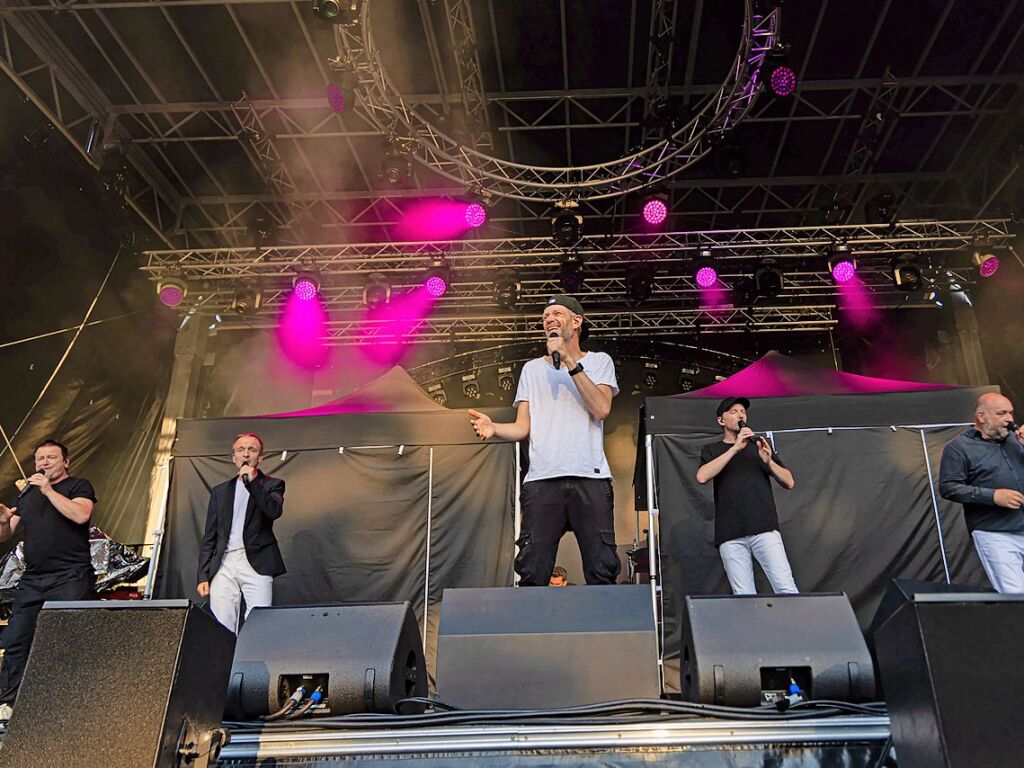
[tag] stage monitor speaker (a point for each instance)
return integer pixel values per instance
(953, 670)
(121, 684)
(364, 656)
(742, 651)
(900, 591)
(537, 648)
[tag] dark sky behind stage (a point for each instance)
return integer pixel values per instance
(57, 240)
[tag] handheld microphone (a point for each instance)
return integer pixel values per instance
(28, 487)
(556, 358)
(245, 478)
(1012, 425)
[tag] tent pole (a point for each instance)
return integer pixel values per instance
(517, 515)
(652, 567)
(426, 577)
(935, 508)
(189, 347)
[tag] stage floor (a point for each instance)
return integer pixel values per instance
(856, 741)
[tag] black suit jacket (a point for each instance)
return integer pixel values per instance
(266, 503)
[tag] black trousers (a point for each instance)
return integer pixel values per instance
(582, 505)
(32, 592)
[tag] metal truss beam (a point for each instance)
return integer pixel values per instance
(659, 69)
(467, 67)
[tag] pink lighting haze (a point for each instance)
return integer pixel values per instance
(171, 296)
(304, 289)
(475, 215)
(706, 277)
(302, 330)
(655, 211)
(856, 303)
(988, 266)
(394, 325)
(843, 271)
(436, 286)
(783, 81)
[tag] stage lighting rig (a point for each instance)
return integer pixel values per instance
(567, 226)
(650, 374)
(247, 299)
(639, 285)
(342, 12)
(842, 264)
(470, 386)
(778, 77)
(172, 291)
(570, 274)
(438, 280)
(341, 90)
(396, 167)
(376, 291)
(767, 279)
(986, 262)
(882, 208)
(907, 274)
(506, 381)
(306, 284)
(704, 272)
(507, 291)
(655, 209)
(437, 393)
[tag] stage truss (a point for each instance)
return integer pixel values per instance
(809, 300)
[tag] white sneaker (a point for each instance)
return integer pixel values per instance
(6, 710)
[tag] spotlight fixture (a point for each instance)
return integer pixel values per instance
(776, 74)
(685, 384)
(246, 299)
(470, 386)
(507, 291)
(570, 275)
(342, 12)
(881, 209)
(172, 291)
(475, 215)
(639, 284)
(396, 167)
(438, 280)
(306, 285)
(650, 375)
(566, 228)
(341, 91)
(906, 273)
(505, 378)
(437, 393)
(376, 291)
(767, 279)
(730, 158)
(986, 262)
(655, 210)
(841, 263)
(704, 271)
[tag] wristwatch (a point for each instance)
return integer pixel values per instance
(577, 369)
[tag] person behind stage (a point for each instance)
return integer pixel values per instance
(983, 469)
(568, 486)
(54, 512)
(239, 554)
(746, 522)
(559, 577)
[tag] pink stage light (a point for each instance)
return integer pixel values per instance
(336, 98)
(989, 266)
(857, 304)
(475, 215)
(436, 286)
(171, 295)
(783, 81)
(302, 331)
(843, 271)
(706, 277)
(655, 211)
(394, 326)
(305, 289)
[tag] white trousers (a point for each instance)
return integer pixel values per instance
(770, 553)
(235, 578)
(1002, 556)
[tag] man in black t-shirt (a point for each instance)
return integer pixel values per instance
(54, 512)
(746, 523)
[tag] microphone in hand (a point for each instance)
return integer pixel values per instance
(245, 477)
(28, 485)
(556, 358)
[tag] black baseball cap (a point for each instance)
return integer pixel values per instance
(573, 306)
(729, 402)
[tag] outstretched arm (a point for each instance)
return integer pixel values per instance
(513, 431)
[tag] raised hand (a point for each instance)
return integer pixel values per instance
(482, 424)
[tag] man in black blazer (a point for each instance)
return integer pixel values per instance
(239, 554)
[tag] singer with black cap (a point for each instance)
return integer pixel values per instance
(983, 469)
(53, 511)
(561, 404)
(239, 555)
(742, 465)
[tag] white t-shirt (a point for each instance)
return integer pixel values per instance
(565, 440)
(235, 540)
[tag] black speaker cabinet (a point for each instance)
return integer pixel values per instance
(900, 591)
(743, 650)
(121, 684)
(365, 656)
(953, 670)
(541, 647)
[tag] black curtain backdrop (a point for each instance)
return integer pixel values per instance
(373, 523)
(860, 515)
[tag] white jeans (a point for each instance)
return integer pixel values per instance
(235, 578)
(1002, 555)
(770, 553)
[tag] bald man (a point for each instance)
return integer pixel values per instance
(983, 469)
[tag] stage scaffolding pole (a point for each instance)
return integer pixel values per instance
(652, 551)
(189, 347)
